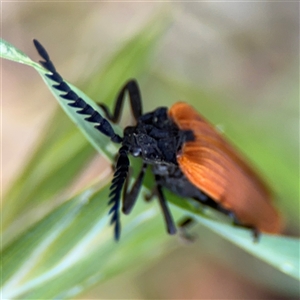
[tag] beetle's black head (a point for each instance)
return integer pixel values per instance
(141, 144)
(155, 138)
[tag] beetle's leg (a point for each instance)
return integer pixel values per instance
(183, 226)
(149, 196)
(157, 191)
(106, 111)
(186, 222)
(234, 218)
(133, 90)
(237, 222)
(171, 228)
(129, 198)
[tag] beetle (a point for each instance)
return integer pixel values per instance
(186, 153)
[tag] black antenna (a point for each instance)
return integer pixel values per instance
(103, 126)
(93, 116)
(118, 181)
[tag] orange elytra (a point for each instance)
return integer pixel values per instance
(211, 164)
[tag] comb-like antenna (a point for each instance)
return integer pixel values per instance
(120, 176)
(83, 108)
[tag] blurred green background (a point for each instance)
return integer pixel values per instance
(237, 63)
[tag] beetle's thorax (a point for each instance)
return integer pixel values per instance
(155, 138)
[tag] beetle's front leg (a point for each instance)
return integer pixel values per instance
(133, 90)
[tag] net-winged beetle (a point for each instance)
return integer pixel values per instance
(187, 156)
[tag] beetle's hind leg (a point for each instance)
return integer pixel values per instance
(182, 225)
(183, 229)
(237, 222)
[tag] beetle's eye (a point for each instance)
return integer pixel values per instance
(136, 151)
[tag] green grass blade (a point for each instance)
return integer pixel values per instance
(8, 51)
(75, 243)
(279, 251)
(32, 193)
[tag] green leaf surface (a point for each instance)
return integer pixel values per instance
(8, 51)
(39, 182)
(279, 251)
(74, 242)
